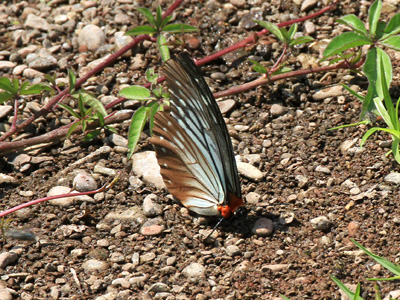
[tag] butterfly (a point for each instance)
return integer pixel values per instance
(193, 147)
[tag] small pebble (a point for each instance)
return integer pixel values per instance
(95, 265)
(7, 258)
(263, 227)
(84, 182)
(321, 223)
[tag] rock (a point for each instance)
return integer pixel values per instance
(353, 228)
(109, 296)
(5, 294)
(4, 110)
(309, 27)
(145, 165)
(151, 229)
(226, 105)
(238, 3)
(233, 250)
(277, 110)
(7, 179)
(59, 190)
(147, 257)
(7, 258)
(4, 64)
(138, 62)
(253, 198)
(37, 22)
(263, 227)
(95, 265)
(333, 91)
(321, 223)
(393, 177)
(122, 282)
(323, 169)
(275, 268)
(42, 62)
(84, 182)
(346, 145)
(118, 140)
(159, 287)
(100, 169)
(241, 128)
(131, 214)
(92, 37)
(150, 208)
(302, 180)
(308, 4)
(249, 171)
(121, 18)
(34, 74)
(194, 270)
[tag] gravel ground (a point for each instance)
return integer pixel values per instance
(309, 192)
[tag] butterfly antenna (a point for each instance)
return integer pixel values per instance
(215, 227)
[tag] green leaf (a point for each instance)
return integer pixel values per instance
(136, 92)
(72, 129)
(70, 110)
(284, 297)
(35, 89)
(373, 16)
(165, 21)
(15, 85)
(282, 70)
(395, 149)
(145, 29)
(354, 23)
(5, 96)
(383, 112)
(179, 28)
(292, 31)
(385, 263)
(72, 80)
(258, 67)
(392, 42)
(271, 28)
(344, 288)
(138, 121)
(344, 42)
(394, 24)
(159, 17)
(151, 76)
(154, 108)
(354, 93)
(95, 104)
(81, 106)
(91, 135)
(301, 40)
(164, 51)
(147, 14)
(5, 84)
(349, 125)
(372, 69)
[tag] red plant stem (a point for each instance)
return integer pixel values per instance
(59, 133)
(263, 80)
(48, 107)
(14, 122)
(171, 9)
(33, 202)
(252, 39)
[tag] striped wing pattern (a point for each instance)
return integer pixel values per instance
(192, 143)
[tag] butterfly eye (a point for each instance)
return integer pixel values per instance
(241, 212)
(192, 144)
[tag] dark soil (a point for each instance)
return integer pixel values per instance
(297, 142)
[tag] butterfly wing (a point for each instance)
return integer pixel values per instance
(192, 142)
